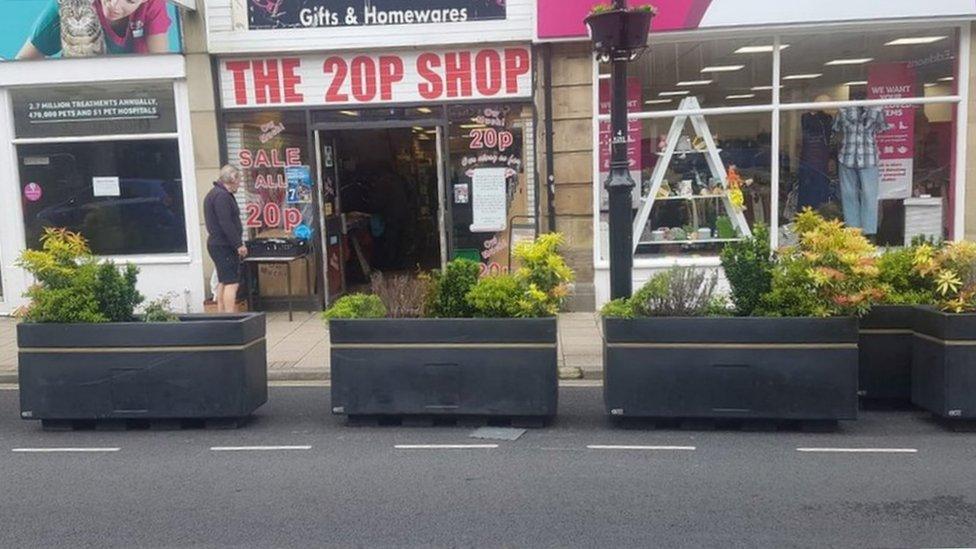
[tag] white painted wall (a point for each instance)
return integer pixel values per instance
(227, 32)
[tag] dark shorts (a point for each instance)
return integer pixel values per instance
(228, 263)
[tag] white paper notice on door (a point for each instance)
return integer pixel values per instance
(488, 200)
(106, 186)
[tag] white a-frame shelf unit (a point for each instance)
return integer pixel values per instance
(715, 166)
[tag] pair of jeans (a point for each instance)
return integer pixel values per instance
(859, 197)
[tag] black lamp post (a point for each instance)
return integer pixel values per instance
(619, 36)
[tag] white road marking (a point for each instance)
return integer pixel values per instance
(256, 448)
(626, 447)
(62, 450)
(445, 446)
(860, 450)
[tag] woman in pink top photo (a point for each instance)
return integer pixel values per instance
(84, 28)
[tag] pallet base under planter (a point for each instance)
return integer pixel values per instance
(524, 422)
(143, 424)
(705, 424)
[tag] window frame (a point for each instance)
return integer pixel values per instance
(184, 257)
(775, 108)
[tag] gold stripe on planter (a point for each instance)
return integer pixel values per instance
(948, 342)
(443, 345)
(174, 349)
(733, 345)
(885, 331)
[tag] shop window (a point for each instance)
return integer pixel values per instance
(125, 197)
(841, 66)
(277, 196)
(491, 189)
(718, 73)
(686, 167)
(912, 179)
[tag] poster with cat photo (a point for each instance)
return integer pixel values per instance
(42, 29)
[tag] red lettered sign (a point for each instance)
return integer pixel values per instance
(376, 78)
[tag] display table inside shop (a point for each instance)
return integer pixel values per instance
(252, 263)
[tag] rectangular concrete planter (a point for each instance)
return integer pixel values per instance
(722, 368)
(885, 354)
(202, 367)
(944, 363)
(472, 366)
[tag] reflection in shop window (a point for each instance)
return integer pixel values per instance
(717, 73)
(838, 66)
(125, 197)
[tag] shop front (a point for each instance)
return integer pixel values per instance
(395, 159)
(744, 113)
(98, 142)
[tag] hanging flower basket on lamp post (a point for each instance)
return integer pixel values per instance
(622, 32)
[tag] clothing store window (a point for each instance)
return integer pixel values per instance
(707, 179)
(841, 66)
(886, 170)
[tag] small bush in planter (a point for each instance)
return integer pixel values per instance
(901, 280)
(485, 347)
(831, 271)
(214, 369)
(72, 286)
(356, 306)
(951, 269)
(748, 266)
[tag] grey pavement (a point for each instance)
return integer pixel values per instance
(341, 486)
(299, 350)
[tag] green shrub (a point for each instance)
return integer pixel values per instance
(160, 310)
(71, 286)
(449, 289)
(618, 308)
(902, 282)
(542, 266)
(496, 297)
(679, 291)
(748, 267)
(116, 291)
(356, 306)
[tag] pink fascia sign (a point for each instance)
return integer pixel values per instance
(564, 18)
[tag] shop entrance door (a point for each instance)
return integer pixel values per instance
(382, 202)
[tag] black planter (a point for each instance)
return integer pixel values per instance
(721, 368)
(625, 30)
(203, 367)
(885, 354)
(482, 367)
(944, 363)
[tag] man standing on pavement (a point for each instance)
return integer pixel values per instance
(223, 219)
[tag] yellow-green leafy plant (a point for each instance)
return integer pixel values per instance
(543, 270)
(536, 289)
(831, 271)
(72, 286)
(951, 268)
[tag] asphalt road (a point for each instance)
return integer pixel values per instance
(335, 485)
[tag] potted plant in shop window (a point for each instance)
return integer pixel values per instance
(84, 355)
(464, 347)
(943, 377)
(787, 350)
(623, 30)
